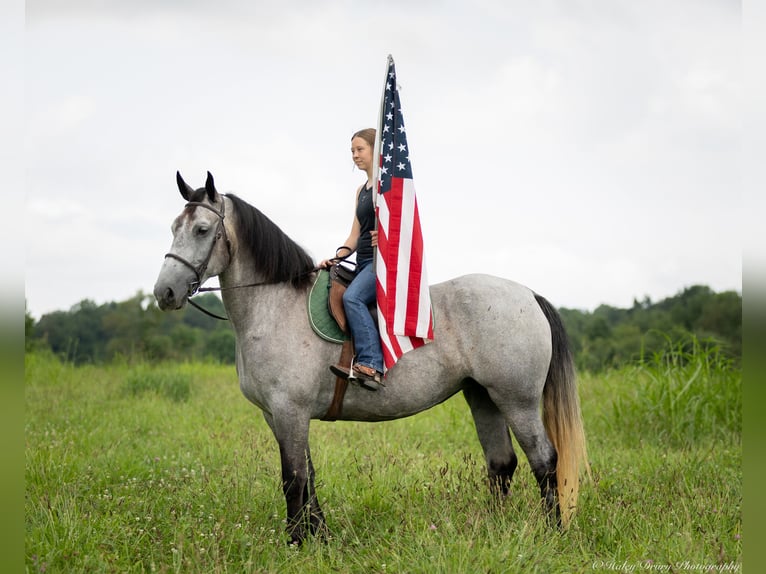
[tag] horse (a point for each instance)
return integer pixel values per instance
(498, 342)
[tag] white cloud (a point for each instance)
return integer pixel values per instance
(588, 150)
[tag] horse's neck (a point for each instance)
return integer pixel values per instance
(239, 284)
(247, 296)
(248, 300)
(238, 297)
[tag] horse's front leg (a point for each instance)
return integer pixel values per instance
(317, 524)
(292, 434)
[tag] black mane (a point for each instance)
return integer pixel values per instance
(277, 257)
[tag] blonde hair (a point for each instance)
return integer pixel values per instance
(367, 134)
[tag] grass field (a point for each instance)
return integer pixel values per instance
(136, 468)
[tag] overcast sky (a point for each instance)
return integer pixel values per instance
(589, 150)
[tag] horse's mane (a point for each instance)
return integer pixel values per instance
(277, 257)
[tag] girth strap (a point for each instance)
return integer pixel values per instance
(341, 384)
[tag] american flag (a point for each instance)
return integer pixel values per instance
(404, 302)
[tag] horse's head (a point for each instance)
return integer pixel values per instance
(200, 247)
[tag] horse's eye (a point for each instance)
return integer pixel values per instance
(201, 231)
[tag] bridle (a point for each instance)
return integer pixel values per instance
(194, 287)
(199, 270)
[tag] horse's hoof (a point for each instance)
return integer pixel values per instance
(297, 535)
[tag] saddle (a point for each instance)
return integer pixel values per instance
(328, 320)
(325, 304)
(322, 321)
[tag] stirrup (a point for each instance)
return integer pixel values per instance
(340, 371)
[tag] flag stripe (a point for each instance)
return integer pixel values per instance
(414, 322)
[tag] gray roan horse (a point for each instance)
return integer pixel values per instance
(499, 343)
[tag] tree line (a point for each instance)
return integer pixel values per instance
(611, 337)
(133, 329)
(604, 338)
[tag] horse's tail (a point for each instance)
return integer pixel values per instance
(561, 415)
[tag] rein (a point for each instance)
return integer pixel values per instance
(199, 270)
(259, 284)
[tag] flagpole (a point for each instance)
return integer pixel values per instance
(376, 149)
(376, 156)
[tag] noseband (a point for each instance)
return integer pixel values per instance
(220, 232)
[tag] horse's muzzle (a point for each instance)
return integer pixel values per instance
(167, 298)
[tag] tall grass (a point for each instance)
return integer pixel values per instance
(123, 481)
(680, 396)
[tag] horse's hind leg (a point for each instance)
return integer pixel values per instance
(527, 426)
(492, 429)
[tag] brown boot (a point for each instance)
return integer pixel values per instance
(368, 377)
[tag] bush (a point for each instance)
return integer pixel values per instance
(222, 346)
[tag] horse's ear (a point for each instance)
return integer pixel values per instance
(183, 187)
(210, 187)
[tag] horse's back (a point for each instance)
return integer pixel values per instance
(486, 299)
(491, 328)
(482, 286)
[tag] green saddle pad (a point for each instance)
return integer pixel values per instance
(319, 315)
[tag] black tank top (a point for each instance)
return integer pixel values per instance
(365, 213)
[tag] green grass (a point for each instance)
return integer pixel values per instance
(167, 381)
(683, 395)
(125, 475)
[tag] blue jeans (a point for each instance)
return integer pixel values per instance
(359, 294)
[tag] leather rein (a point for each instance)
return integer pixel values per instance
(199, 270)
